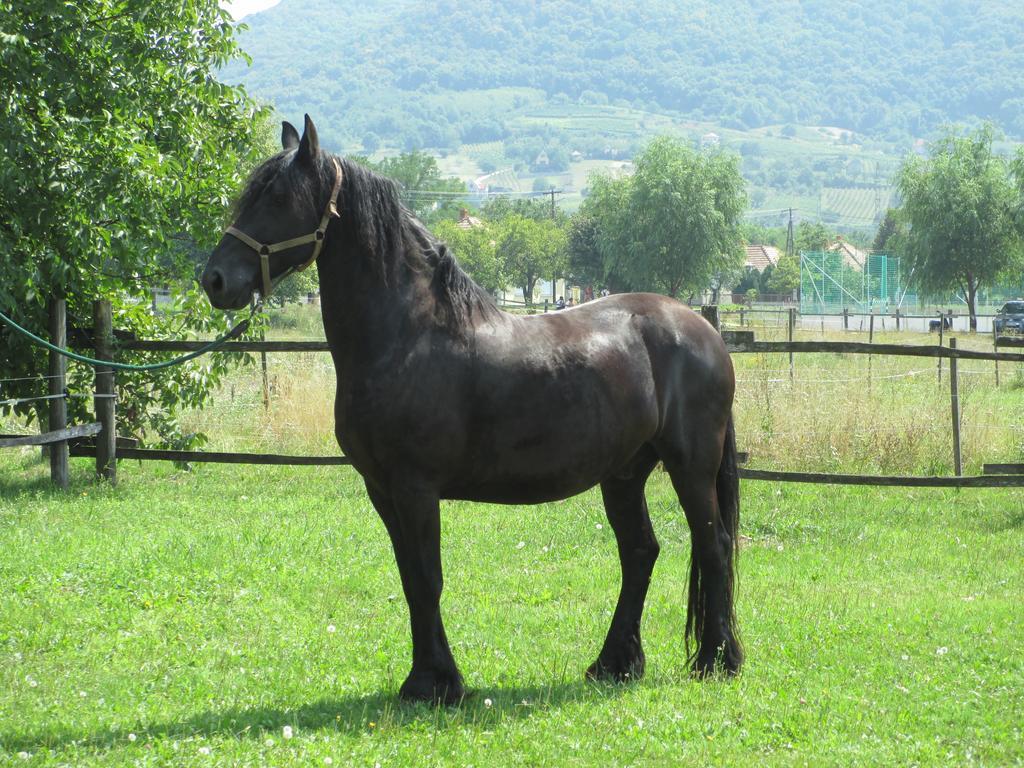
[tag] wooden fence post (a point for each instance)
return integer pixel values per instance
(58, 415)
(791, 324)
(106, 440)
(941, 324)
(266, 382)
(954, 400)
(995, 348)
(846, 319)
(897, 318)
(710, 313)
(871, 340)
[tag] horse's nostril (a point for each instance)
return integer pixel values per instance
(216, 283)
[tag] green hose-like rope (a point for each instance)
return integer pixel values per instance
(234, 332)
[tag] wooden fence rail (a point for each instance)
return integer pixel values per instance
(738, 342)
(108, 448)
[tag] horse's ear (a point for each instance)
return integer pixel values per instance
(289, 136)
(309, 146)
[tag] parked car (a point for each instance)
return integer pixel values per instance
(1010, 318)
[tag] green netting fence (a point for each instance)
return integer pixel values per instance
(832, 280)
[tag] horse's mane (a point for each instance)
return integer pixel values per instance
(388, 230)
(385, 229)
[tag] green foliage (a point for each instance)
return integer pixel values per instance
(429, 195)
(889, 232)
(536, 208)
(439, 74)
(120, 153)
(517, 244)
(674, 224)
(961, 206)
(476, 251)
(585, 263)
(529, 249)
(785, 276)
(296, 287)
(812, 236)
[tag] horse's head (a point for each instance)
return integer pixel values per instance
(280, 221)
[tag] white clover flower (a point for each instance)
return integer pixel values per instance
(331, 629)
(204, 750)
(287, 732)
(488, 703)
(132, 737)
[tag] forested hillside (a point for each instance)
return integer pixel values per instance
(442, 73)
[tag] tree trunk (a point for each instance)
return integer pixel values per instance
(528, 290)
(972, 292)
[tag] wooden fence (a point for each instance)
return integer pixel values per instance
(107, 448)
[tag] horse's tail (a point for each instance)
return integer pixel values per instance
(727, 486)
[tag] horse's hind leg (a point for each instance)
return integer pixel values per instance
(693, 467)
(622, 656)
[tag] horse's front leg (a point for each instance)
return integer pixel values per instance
(413, 519)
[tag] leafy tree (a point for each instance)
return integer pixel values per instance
(584, 262)
(785, 276)
(371, 142)
(476, 251)
(675, 223)
(529, 249)
(425, 192)
(297, 286)
(812, 236)
(120, 150)
(888, 230)
(961, 206)
(536, 208)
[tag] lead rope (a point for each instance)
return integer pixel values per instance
(238, 330)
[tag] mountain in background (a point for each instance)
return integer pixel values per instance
(530, 85)
(881, 68)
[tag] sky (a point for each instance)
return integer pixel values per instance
(242, 8)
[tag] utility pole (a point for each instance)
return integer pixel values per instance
(878, 192)
(790, 242)
(553, 192)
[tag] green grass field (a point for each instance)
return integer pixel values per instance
(190, 618)
(247, 615)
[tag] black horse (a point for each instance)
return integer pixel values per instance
(441, 395)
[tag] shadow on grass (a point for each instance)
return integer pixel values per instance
(346, 715)
(28, 475)
(1013, 521)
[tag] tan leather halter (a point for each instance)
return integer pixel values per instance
(317, 238)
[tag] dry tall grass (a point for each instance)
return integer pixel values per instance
(838, 413)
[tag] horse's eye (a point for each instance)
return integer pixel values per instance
(277, 193)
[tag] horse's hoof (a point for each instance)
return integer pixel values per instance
(724, 662)
(444, 688)
(617, 669)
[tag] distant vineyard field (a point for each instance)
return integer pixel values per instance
(854, 206)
